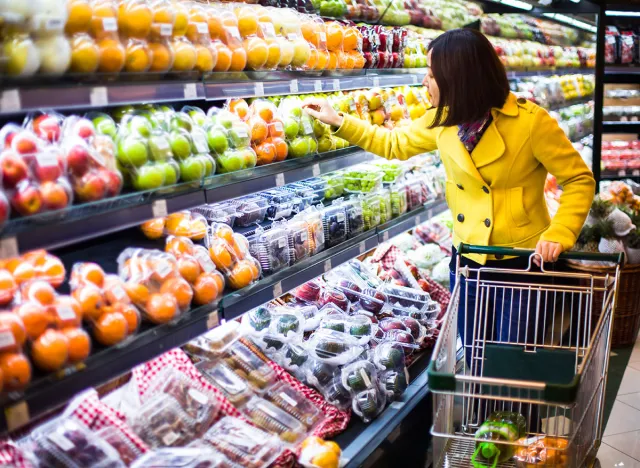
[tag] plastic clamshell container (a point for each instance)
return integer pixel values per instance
(250, 210)
(389, 356)
(371, 211)
(357, 326)
(392, 170)
(335, 186)
(256, 321)
(407, 298)
(367, 299)
(270, 418)
(294, 355)
(221, 337)
(224, 212)
(369, 403)
(334, 348)
(313, 218)
(126, 449)
(271, 249)
(304, 194)
(385, 205)
(319, 187)
(285, 397)
(66, 442)
(232, 386)
(182, 457)
(355, 217)
(362, 179)
(334, 222)
(287, 323)
(415, 197)
(161, 422)
(359, 376)
(280, 203)
(398, 197)
(299, 244)
(244, 361)
(243, 444)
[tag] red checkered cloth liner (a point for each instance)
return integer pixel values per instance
(12, 456)
(96, 415)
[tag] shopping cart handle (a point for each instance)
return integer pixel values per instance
(509, 251)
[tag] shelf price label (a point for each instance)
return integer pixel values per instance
(8, 247)
(190, 91)
(362, 248)
(279, 180)
(635, 173)
(213, 320)
(429, 213)
(622, 173)
(336, 84)
(414, 79)
(258, 89)
(327, 265)
(277, 290)
(159, 209)
(376, 81)
(317, 86)
(17, 415)
(99, 96)
(385, 236)
(418, 220)
(293, 86)
(315, 170)
(10, 101)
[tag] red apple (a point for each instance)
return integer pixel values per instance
(7, 133)
(54, 196)
(4, 208)
(47, 127)
(13, 169)
(78, 159)
(25, 142)
(48, 165)
(90, 187)
(113, 181)
(84, 129)
(27, 199)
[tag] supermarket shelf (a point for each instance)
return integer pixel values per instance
(82, 222)
(571, 102)
(48, 392)
(512, 75)
(620, 174)
(360, 440)
(620, 127)
(622, 74)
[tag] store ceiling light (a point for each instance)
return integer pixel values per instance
(571, 21)
(517, 4)
(622, 13)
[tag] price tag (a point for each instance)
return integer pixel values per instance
(429, 213)
(119, 293)
(54, 24)
(327, 265)
(293, 86)
(315, 170)
(385, 236)
(166, 29)
(242, 130)
(47, 159)
(322, 36)
(376, 81)
(190, 91)
(258, 89)
(307, 127)
(6, 339)
(362, 248)
(109, 24)
(202, 28)
(418, 220)
(267, 29)
(169, 438)
(279, 180)
(290, 401)
(292, 36)
(201, 142)
(66, 312)
(61, 441)
(8, 247)
(98, 158)
(336, 84)
(99, 96)
(159, 209)
(622, 173)
(234, 33)
(317, 86)
(635, 173)
(17, 415)
(277, 290)
(276, 126)
(197, 396)
(213, 320)
(10, 101)
(163, 268)
(204, 260)
(414, 79)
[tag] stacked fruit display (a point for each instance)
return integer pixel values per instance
(267, 132)
(383, 47)
(298, 128)
(619, 155)
(551, 91)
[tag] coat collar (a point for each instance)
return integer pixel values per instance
(510, 107)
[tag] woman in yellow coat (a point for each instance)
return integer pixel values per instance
(496, 149)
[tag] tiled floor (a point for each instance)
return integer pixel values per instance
(621, 440)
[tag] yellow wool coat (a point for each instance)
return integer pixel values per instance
(496, 193)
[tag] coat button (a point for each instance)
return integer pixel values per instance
(487, 222)
(521, 100)
(460, 218)
(485, 189)
(460, 186)
(499, 257)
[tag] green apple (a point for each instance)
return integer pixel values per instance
(180, 143)
(140, 125)
(217, 140)
(319, 128)
(197, 115)
(296, 111)
(199, 144)
(192, 168)
(239, 135)
(326, 143)
(105, 125)
(181, 120)
(149, 177)
(120, 112)
(250, 158)
(225, 120)
(159, 147)
(299, 147)
(209, 164)
(313, 144)
(291, 128)
(171, 172)
(230, 161)
(132, 151)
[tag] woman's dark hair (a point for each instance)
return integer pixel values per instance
(470, 77)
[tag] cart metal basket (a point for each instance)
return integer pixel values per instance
(551, 368)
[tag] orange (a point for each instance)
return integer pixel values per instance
(282, 150)
(37, 257)
(217, 276)
(206, 58)
(112, 55)
(238, 59)
(259, 129)
(34, 317)
(180, 289)
(50, 351)
(333, 61)
(265, 110)
(196, 15)
(276, 129)
(103, 9)
(114, 291)
(16, 370)
(358, 59)
(12, 324)
(217, 21)
(311, 441)
(185, 56)
(138, 57)
(181, 19)
(138, 293)
(89, 272)
(39, 291)
(266, 153)
(179, 246)
(111, 328)
(323, 60)
(79, 16)
(350, 39)
(8, 287)
(240, 108)
(242, 275)
(331, 445)
(326, 459)
(222, 256)
(335, 36)
(51, 269)
(163, 12)
(247, 21)
(198, 229)
(21, 271)
(163, 268)
(91, 301)
(240, 245)
(224, 54)
(161, 308)
(255, 268)
(313, 60)
(134, 18)
(189, 268)
(79, 343)
(132, 317)
(206, 289)
(308, 29)
(153, 228)
(273, 55)
(85, 54)
(66, 312)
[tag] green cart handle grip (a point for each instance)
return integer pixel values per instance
(509, 251)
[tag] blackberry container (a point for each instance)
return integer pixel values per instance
(250, 210)
(305, 196)
(281, 203)
(319, 187)
(355, 219)
(271, 249)
(224, 212)
(334, 221)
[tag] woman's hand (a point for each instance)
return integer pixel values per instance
(321, 109)
(550, 251)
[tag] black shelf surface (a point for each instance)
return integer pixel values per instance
(48, 392)
(360, 440)
(622, 74)
(620, 127)
(620, 174)
(82, 222)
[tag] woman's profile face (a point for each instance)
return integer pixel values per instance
(430, 82)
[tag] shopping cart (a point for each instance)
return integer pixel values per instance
(552, 370)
